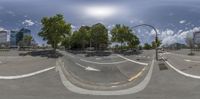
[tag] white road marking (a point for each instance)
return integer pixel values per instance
(137, 75)
(187, 60)
(182, 55)
(141, 63)
(181, 72)
(26, 75)
(103, 63)
(70, 86)
(87, 67)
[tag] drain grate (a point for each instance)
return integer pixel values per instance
(162, 66)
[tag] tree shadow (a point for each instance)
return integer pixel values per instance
(43, 53)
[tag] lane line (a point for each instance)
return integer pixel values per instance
(181, 72)
(73, 88)
(187, 60)
(119, 62)
(141, 63)
(26, 75)
(87, 67)
(182, 55)
(137, 75)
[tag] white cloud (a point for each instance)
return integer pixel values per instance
(182, 21)
(28, 23)
(169, 36)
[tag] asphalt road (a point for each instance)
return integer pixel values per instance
(164, 84)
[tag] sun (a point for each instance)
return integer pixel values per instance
(100, 11)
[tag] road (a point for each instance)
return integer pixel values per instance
(163, 84)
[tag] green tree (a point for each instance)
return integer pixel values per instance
(147, 46)
(133, 41)
(27, 40)
(99, 36)
(84, 33)
(54, 29)
(153, 44)
(122, 34)
(66, 42)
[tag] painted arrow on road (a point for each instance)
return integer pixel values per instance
(87, 67)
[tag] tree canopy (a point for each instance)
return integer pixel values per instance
(99, 36)
(123, 34)
(54, 29)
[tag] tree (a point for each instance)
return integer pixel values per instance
(122, 34)
(66, 42)
(54, 29)
(133, 41)
(153, 44)
(27, 40)
(84, 36)
(99, 36)
(147, 46)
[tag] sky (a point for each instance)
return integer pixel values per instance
(173, 19)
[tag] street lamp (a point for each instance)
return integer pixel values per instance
(156, 38)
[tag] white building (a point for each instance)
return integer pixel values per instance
(3, 38)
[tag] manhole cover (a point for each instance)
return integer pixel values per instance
(162, 66)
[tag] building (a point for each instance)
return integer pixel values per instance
(13, 40)
(3, 38)
(197, 38)
(25, 31)
(21, 34)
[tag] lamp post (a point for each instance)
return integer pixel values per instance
(156, 38)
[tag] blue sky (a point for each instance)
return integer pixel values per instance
(173, 18)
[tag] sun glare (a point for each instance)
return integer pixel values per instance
(100, 11)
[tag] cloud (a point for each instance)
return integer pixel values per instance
(182, 21)
(2, 29)
(28, 23)
(170, 37)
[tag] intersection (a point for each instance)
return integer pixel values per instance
(105, 78)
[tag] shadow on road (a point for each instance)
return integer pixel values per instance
(43, 53)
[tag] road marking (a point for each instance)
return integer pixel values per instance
(119, 62)
(71, 87)
(191, 61)
(87, 67)
(182, 55)
(181, 72)
(137, 75)
(141, 63)
(0, 62)
(26, 75)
